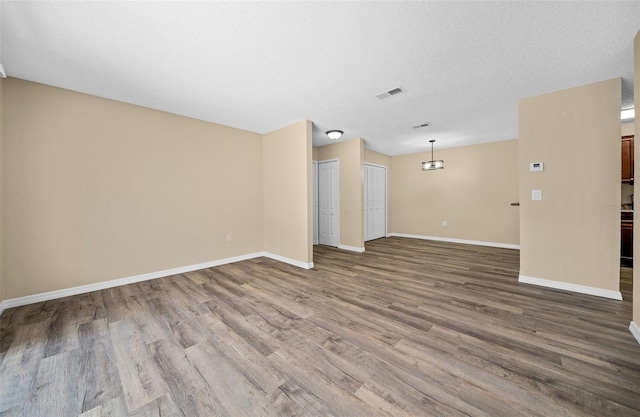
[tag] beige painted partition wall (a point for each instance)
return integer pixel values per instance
(572, 236)
(1, 193)
(288, 215)
(351, 156)
(96, 190)
(377, 158)
(636, 235)
(472, 194)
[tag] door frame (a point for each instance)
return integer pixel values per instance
(386, 200)
(337, 161)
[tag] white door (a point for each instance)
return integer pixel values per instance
(375, 202)
(328, 203)
(314, 169)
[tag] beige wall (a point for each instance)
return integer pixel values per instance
(384, 160)
(288, 229)
(377, 158)
(627, 129)
(1, 182)
(472, 193)
(314, 153)
(636, 235)
(351, 156)
(96, 190)
(573, 234)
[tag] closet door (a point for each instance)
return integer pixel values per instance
(375, 202)
(314, 170)
(328, 202)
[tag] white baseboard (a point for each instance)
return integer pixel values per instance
(635, 331)
(583, 289)
(351, 248)
(466, 242)
(299, 264)
(66, 292)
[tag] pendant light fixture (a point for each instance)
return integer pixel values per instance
(334, 134)
(433, 164)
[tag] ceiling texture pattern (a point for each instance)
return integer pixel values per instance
(260, 66)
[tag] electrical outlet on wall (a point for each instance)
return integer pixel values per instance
(444, 223)
(228, 237)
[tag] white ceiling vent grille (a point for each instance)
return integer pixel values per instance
(391, 93)
(422, 125)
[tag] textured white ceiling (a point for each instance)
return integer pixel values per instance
(264, 65)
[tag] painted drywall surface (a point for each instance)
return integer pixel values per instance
(287, 192)
(314, 153)
(472, 193)
(1, 193)
(309, 159)
(96, 190)
(377, 158)
(573, 234)
(636, 235)
(351, 156)
(627, 129)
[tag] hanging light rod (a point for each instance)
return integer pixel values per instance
(433, 164)
(334, 134)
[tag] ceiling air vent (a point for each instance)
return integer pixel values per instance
(422, 125)
(390, 93)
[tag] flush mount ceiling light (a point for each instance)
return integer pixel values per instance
(334, 134)
(433, 164)
(627, 114)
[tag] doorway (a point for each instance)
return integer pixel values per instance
(375, 201)
(627, 218)
(329, 203)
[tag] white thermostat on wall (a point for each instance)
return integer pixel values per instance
(536, 166)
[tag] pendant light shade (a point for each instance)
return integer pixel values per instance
(433, 164)
(429, 165)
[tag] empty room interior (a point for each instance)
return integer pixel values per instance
(319, 209)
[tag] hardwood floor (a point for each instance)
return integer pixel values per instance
(408, 328)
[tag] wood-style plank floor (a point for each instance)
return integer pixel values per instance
(408, 328)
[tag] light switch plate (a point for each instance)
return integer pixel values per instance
(536, 195)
